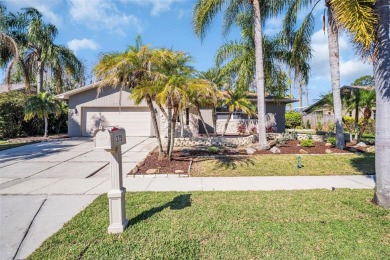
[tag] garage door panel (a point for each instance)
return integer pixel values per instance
(136, 120)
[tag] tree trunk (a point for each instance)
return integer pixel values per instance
(155, 125)
(46, 127)
(201, 119)
(41, 69)
(357, 101)
(260, 77)
(162, 110)
(181, 124)
(227, 123)
(333, 44)
(214, 116)
(382, 86)
(300, 95)
(169, 125)
(173, 133)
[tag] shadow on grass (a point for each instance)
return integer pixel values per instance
(231, 162)
(365, 163)
(178, 203)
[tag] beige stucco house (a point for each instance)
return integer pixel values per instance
(90, 108)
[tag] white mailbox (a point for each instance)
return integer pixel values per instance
(109, 138)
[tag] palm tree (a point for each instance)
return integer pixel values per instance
(201, 93)
(205, 11)
(382, 86)
(236, 100)
(370, 30)
(139, 68)
(175, 91)
(38, 53)
(41, 106)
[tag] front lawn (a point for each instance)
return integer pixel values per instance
(285, 165)
(341, 224)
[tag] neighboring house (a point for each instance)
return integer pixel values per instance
(18, 86)
(89, 109)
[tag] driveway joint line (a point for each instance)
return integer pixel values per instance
(44, 186)
(147, 187)
(358, 182)
(100, 183)
(28, 228)
(92, 174)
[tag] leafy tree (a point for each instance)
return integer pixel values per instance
(236, 100)
(205, 11)
(38, 53)
(41, 106)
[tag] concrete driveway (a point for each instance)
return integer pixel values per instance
(44, 185)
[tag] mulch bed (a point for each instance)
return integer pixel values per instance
(182, 158)
(180, 161)
(293, 147)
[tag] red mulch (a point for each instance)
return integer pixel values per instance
(181, 158)
(180, 161)
(292, 147)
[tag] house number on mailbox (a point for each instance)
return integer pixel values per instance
(118, 138)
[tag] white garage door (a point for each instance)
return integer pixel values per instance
(135, 120)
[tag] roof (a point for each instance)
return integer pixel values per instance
(10, 87)
(66, 95)
(346, 87)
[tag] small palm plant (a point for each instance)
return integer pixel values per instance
(236, 100)
(41, 106)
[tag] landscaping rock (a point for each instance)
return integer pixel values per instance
(328, 145)
(135, 170)
(301, 151)
(272, 143)
(152, 171)
(370, 149)
(361, 144)
(250, 150)
(353, 150)
(140, 164)
(179, 171)
(328, 151)
(275, 149)
(233, 151)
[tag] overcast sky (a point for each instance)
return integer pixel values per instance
(92, 27)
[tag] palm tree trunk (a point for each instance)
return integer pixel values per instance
(333, 44)
(41, 69)
(357, 134)
(300, 95)
(173, 133)
(181, 124)
(46, 127)
(214, 116)
(260, 77)
(155, 125)
(162, 110)
(169, 135)
(382, 85)
(201, 119)
(227, 123)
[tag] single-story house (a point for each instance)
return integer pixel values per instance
(90, 108)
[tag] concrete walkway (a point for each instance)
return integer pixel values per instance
(43, 187)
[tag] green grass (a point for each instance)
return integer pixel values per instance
(4, 145)
(341, 224)
(285, 165)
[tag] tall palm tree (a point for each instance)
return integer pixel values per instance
(38, 53)
(205, 11)
(41, 105)
(236, 100)
(382, 85)
(139, 68)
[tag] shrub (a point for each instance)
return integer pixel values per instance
(213, 149)
(253, 130)
(299, 127)
(292, 119)
(318, 126)
(307, 143)
(308, 126)
(241, 129)
(331, 140)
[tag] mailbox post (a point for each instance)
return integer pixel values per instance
(111, 139)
